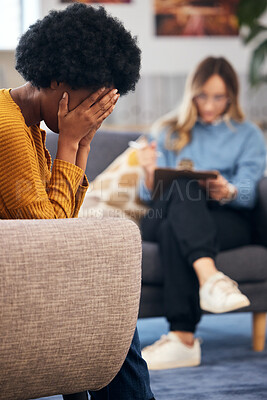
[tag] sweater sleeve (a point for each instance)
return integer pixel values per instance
(250, 169)
(80, 196)
(24, 193)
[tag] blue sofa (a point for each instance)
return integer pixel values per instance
(247, 265)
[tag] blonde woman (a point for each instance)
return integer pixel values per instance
(199, 218)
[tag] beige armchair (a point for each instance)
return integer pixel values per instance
(68, 303)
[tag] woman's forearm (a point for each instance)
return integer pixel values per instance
(66, 151)
(81, 159)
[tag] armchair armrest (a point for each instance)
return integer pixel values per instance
(260, 214)
(69, 301)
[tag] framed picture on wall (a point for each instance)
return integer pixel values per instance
(196, 17)
(97, 1)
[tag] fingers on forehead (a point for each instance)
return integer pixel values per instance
(108, 95)
(108, 100)
(103, 94)
(94, 97)
(104, 105)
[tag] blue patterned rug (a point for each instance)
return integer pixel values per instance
(230, 370)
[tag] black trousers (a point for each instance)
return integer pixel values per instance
(188, 226)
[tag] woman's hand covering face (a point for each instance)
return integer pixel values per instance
(79, 125)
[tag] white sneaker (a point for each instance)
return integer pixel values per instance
(170, 352)
(220, 294)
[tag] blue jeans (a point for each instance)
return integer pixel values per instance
(132, 381)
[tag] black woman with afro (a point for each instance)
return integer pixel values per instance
(76, 63)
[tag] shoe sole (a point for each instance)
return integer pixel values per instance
(175, 364)
(241, 304)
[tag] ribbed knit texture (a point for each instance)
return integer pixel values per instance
(28, 189)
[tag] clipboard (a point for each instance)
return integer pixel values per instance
(163, 177)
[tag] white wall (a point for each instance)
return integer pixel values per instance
(9, 77)
(168, 55)
(166, 62)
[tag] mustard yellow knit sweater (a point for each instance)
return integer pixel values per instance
(28, 189)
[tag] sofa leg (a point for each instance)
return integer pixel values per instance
(259, 329)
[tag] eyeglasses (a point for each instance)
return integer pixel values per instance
(217, 100)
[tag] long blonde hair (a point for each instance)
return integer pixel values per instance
(180, 122)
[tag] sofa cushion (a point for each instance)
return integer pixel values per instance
(114, 192)
(244, 264)
(259, 219)
(106, 146)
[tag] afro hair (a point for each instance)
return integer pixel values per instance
(81, 46)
